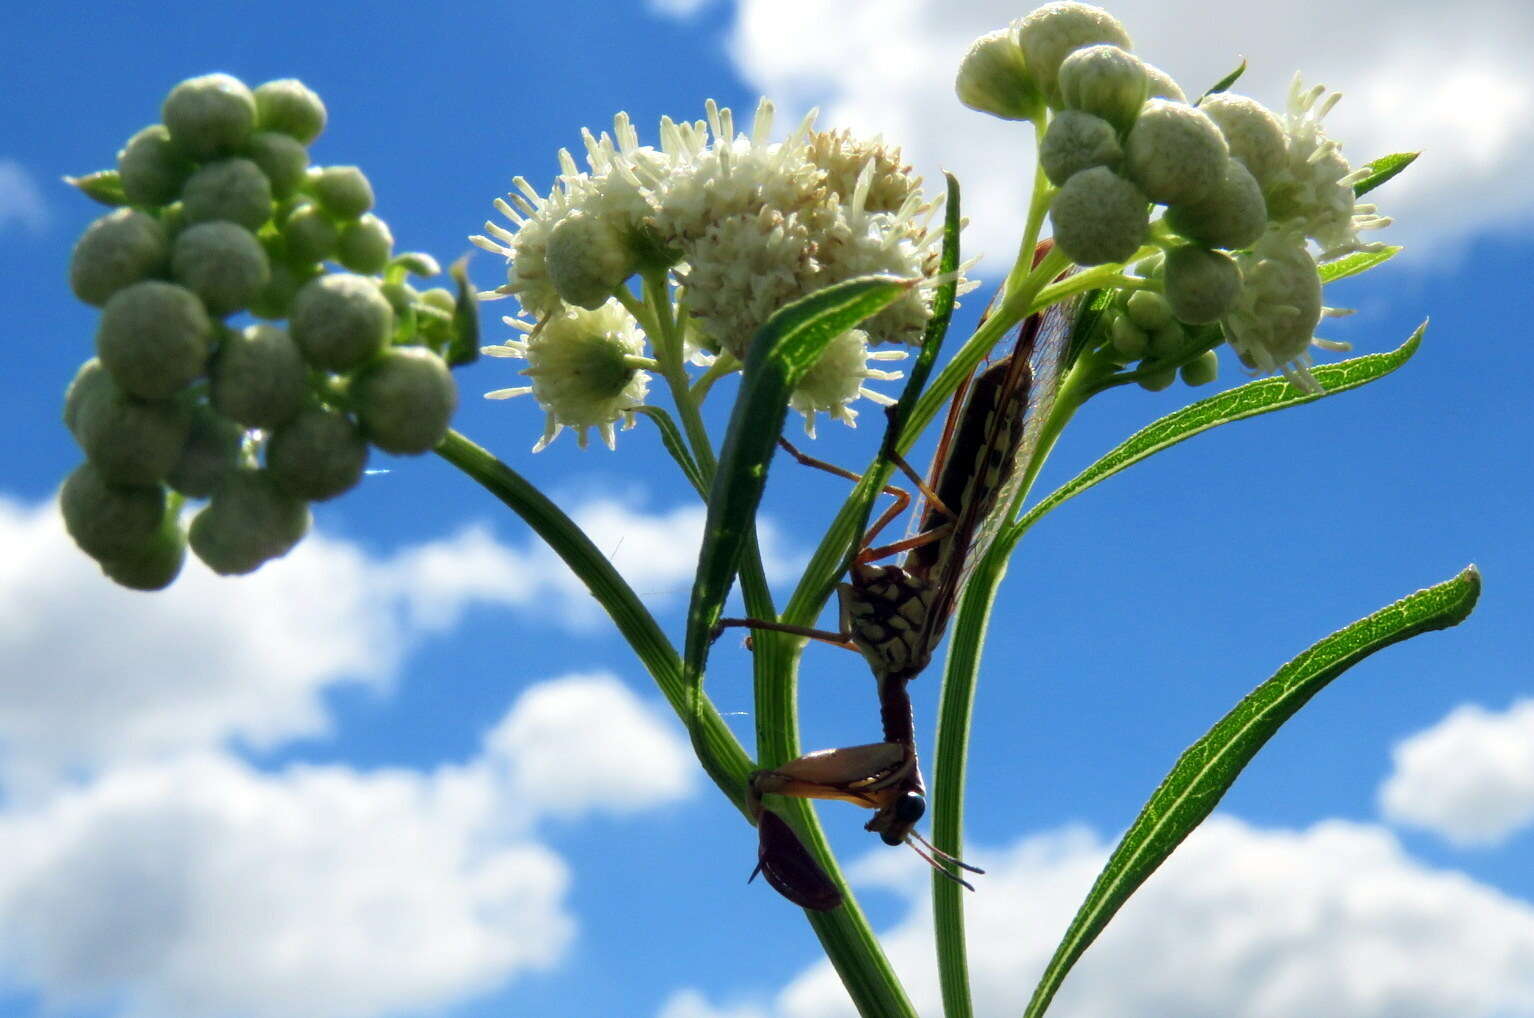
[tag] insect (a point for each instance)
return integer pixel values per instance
(895, 615)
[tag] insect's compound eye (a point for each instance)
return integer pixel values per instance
(908, 811)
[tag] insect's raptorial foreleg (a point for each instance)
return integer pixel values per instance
(865, 776)
(901, 496)
(843, 640)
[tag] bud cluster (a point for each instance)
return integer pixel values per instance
(1230, 178)
(219, 214)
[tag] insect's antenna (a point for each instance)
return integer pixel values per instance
(939, 867)
(939, 853)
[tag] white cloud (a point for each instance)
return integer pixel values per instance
(199, 886)
(21, 200)
(681, 9)
(1242, 922)
(1451, 80)
(94, 674)
(1469, 778)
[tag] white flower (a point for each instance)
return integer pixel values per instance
(837, 379)
(1273, 325)
(585, 369)
(1313, 191)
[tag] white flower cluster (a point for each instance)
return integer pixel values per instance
(1245, 192)
(742, 224)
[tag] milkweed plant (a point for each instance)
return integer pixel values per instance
(259, 335)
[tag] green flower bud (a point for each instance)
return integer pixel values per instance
(341, 321)
(587, 260)
(439, 298)
(418, 263)
(1053, 32)
(209, 115)
(405, 400)
(1201, 371)
(232, 189)
(249, 521)
(1254, 134)
(344, 191)
(993, 78)
(317, 455)
(289, 106)
(127, 440)
(259, 377)
(1159, 380)
(154, 338)
(156, 563)
(366, 243)
(115, 251)
(1175, 153)
(310, 235)
(1105, 81)
(1169, 342)
(1099, 217)
(1077, 141)
(1233, 215)
(109, 520)
(276, 298)
(221, 263)
(211, 453)
(1201, 285)
(284, 161)
(1161, 85)
(1148, 309)
(152, 170)
(1129, 342)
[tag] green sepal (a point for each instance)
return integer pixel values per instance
(464, 348)
(1382, 169)
(1223, 85)
(417, 263)
(1356, 264)
(104, 186)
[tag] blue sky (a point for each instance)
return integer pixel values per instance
(408, 771)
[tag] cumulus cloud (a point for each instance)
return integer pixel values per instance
(21, 200)
(96, 674)
(1242, 922)
(1469, 778)
(200, 886)
(1450, 80)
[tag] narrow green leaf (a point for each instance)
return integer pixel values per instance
(671, 438)
(1210, 766)
(781, 352)
(464, 349)
(1260, 397)
(103, 186)
(1382, 169)
(1356, 264)
(1223, 85)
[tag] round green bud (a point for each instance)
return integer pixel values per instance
(1169, 342)
(1053, 32)
(317, 455)
(993, 78)
(1077, 141)
(249, 521)
(89, 379)
(284, 160)
(232, 189)
(344, 191)
(1201, 285)
(117, 250)
(1156, 381)
(1099, 217)
(1233, 215)
(1105, 81)
(109, 520)
(154, 338)
(209, 115)
(152, 170)
(290, 106)
(1201, 371)
(276, 298)
(211, 453)
(365, 244)
(1175, 153)
(441, 299)
(405, 400)
(1253, 133)
(341, 321)
(587, 260)
(259, 377)
(1127, 339)
(221, 263)
(127, 440)
(1148, 310)
(154, 565)
(402, 297)
(1161, 85)
(310, 235)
